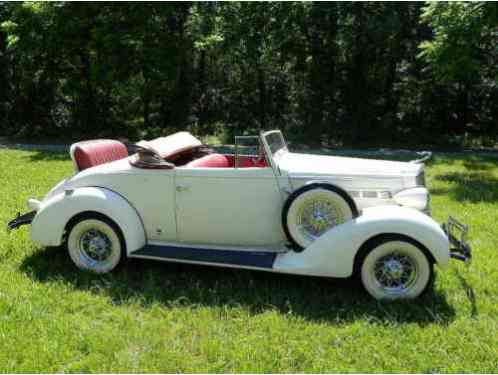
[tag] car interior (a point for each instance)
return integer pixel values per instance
(177, 150)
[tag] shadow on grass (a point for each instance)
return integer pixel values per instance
(469, 291)
(470, 186)
(472, 162)
(38, 155)
(318, 299)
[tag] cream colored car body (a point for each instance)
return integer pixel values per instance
(224, 210)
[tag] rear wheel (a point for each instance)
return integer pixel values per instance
(396, 269)
(95, 244)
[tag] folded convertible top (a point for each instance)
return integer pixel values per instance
(171, 146)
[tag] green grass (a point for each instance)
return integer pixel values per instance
(152, 317)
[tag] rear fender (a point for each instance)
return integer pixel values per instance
(333, 254)
(50, 221)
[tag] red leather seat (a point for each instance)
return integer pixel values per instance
(225, 161)
(91, 153)
(210, 161)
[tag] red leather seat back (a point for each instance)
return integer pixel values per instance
(91, 153)
(246, 161)
(210, 161)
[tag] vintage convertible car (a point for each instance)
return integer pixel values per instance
(174, 199)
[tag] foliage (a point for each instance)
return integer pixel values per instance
(465, 41)
(343, 73)
(161, 317)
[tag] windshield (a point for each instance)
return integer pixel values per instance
(275, 141)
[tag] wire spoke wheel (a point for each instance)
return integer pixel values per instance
(318, 214)
(95, 245)
(395, 272)
(395, 269)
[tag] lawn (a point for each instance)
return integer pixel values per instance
(160, 317)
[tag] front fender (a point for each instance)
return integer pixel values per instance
(333, 253)
(47, 228)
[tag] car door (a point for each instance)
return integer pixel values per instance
(228, 206)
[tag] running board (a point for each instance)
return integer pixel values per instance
(256, 259)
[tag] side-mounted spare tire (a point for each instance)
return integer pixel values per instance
(312, 210)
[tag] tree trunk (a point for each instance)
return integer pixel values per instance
(5, 86)
(182, 94)
(202, 90)
(317, 77)
(88, 116)
(262, 97)
(358, 96)
(146, 105)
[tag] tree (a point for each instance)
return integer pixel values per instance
(463, 51)
(342, 73)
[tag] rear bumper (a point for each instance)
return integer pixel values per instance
(457, 234)
(21, 220)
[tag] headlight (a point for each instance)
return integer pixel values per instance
(417, 198)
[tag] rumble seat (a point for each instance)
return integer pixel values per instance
(88, 154)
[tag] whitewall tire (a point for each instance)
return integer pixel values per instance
(312, 210)
(95, 244)
(396, 269)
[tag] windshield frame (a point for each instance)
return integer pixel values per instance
(270, 154)
(238, 144)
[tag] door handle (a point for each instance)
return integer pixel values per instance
(181, 188)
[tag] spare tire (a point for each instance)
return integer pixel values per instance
(312, 210)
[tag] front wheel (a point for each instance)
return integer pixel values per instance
(396, 269)
(95, 244)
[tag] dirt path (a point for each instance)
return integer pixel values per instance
(7, 144)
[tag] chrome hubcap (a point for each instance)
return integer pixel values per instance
(396, 272)
(95, 245)
(317, 216)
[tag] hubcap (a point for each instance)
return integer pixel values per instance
(396, 272)
(95, 245)
(317, 216)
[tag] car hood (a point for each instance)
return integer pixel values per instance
(296, 165)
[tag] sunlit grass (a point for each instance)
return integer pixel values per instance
(159, 317)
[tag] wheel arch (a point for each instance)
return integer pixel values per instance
(64, 209)
(94, 215)
(333, 254)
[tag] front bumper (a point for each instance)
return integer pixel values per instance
(21, 220)
(457, 235)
